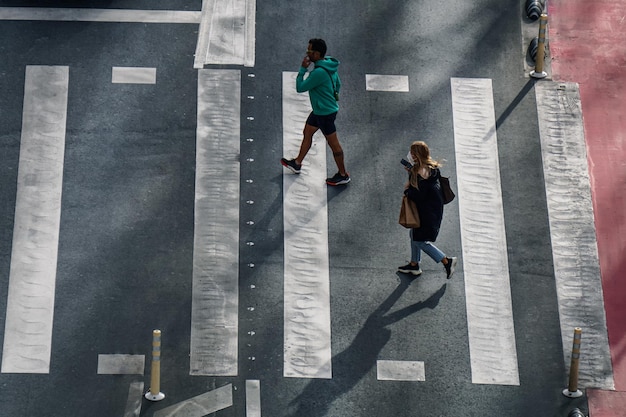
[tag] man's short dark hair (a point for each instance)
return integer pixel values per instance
(318, 45)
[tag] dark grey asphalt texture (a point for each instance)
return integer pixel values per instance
(126, 237)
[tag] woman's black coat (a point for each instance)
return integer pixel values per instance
(429, 201)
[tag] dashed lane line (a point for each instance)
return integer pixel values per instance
(133, 75)
(392, 83)
(400, 370)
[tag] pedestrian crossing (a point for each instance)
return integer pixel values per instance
(307, 337)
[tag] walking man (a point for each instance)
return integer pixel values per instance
(323, 85)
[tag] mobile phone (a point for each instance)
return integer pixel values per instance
(406, 163)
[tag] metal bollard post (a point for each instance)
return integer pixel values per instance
(576, 413)
(155, 394)
(538, 72)
(572, 390)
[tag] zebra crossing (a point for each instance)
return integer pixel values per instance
(307, 337)
(32, 279)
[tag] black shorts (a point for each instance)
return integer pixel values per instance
(325, 123)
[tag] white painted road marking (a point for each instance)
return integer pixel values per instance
(215, 292)
(227, 33)
(135, 399)
(99, 15)
(493, 355)
(307, 347)
(116, 364)
(133, 75)
(253, 398)
(32, 280)
(572, 231)
(201, 405)
(400, 371)
(394, 83)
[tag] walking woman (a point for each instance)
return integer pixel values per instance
(424, 189)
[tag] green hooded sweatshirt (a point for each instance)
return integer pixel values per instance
(320, 87)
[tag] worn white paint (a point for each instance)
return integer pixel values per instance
(135, 399)
(253, 398)
(133, 75)
(400, 371)
(32, 276)
(119, 364)
(393, 83)
(307, 347)
(572, 231)
(99, 15)
(227, 33)
(215, 290)
(201, 405)
(493, 354)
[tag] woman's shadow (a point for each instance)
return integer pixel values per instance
(356, 361)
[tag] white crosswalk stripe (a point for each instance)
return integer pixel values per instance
(493, 354)
(227, 33)
(307, 276)
(215, 292)
(32, 280)
(572, 231)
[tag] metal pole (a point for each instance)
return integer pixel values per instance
(572, 390)
(538, 72)
(155, 394)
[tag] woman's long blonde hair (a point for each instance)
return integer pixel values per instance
(421, 158)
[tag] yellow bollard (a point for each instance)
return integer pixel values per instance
(538, 72)
(572, 390)
(155, 394)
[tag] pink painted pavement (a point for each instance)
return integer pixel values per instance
(587, 41)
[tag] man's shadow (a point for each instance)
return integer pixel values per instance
(356, 361)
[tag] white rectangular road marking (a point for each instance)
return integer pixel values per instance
(32, 277)
(493, 355)
(400, 371)
(253, 398)
(227, 33)
(201, 405)
(572, 232)
(133, 75)
(307, 347)
(135, 399)
(215, 292)
(395, 83)
(69, 14)
(121, 364)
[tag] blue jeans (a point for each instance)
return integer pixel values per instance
(431, 250)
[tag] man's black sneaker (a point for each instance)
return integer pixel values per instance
(410, 269)
(450, 267)
(338, 179)
(291, 164)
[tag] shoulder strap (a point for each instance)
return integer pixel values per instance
(331, 81)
